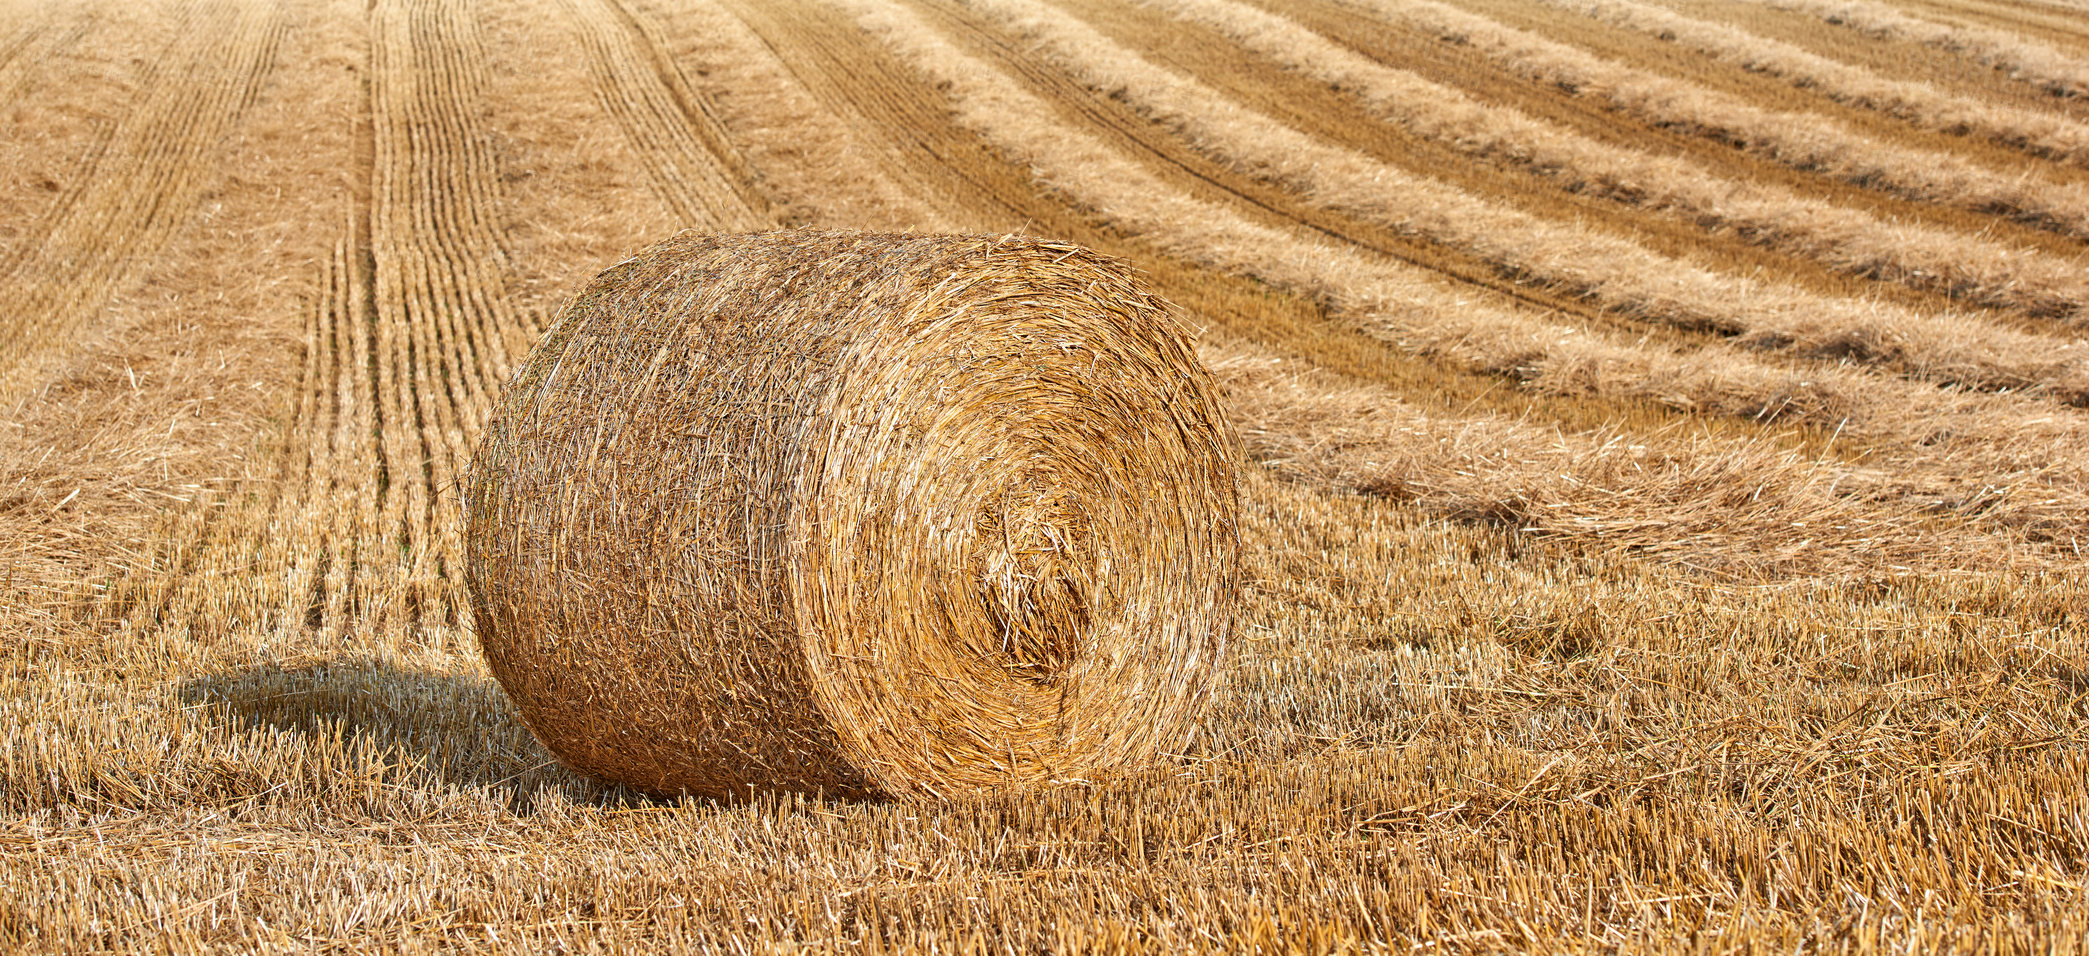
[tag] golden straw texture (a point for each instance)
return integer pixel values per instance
(868, 514)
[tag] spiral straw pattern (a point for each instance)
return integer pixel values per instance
(898, 515)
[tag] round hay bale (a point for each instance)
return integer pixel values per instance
(866, 514)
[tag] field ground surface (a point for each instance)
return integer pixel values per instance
(1668, 426)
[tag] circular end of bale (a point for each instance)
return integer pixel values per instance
(912, 516)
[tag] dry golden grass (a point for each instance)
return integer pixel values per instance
(1563, 630)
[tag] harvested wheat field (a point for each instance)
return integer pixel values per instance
(1663, 468)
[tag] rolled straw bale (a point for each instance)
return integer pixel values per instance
(868, 514)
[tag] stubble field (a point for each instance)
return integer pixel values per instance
(1668, 423)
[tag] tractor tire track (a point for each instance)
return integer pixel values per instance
(691, 163)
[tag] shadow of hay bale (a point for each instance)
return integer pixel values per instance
(457, 730)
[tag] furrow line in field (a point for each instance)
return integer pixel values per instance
(26, 31)
(341, 576)
(1847, 240)
(1989, 438)
(691, 104)
(301, 555)
(2022, 58)
(134, 189)
(295, 537)
(417, 454)
(155, 170)
(61, 127)
(458, 194)
(1616, 272)
(20, 34)
(82, 180)
(674, 134)
(900, 132)
(444, 320)
(331, 513)
(441, 238)
(2046, 135)
(782, 124)
(357, 593)
(1802, 141)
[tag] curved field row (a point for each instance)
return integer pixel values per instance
(2046, 135)
(150, 177)
(1470, 69)
(1200, 173)
(1452, 324)
(1885, 56)
(1617, 273)
(1185, 166)
(1409, 309)
(1847, 240)
(1283, 433)
(2026, 60)
(1285, 427)
(691, 163)
(1802, 141)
